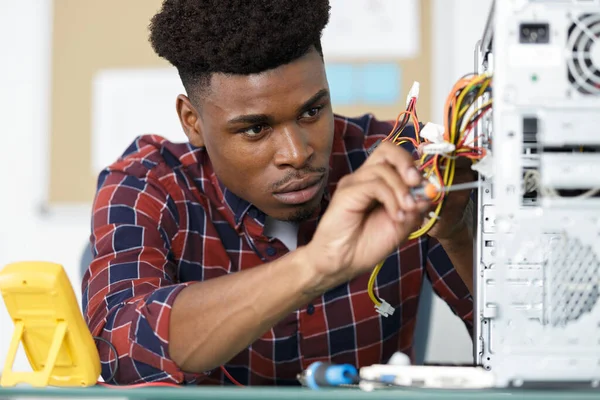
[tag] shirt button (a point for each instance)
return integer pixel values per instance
(271, 251)
(310, 310)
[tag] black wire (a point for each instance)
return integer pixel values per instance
(402, 125)
(405, 120)
(476, 115)
(469, 100)
(114, 373)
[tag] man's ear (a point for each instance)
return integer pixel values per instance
(190, 121)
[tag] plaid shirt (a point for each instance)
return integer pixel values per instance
(162, 220)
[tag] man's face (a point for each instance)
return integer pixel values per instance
(269, 135)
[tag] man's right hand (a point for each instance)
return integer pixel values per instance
(370, 215)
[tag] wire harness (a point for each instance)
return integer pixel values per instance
(438, 148)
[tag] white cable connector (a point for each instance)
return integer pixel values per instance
(433, 132)
(485, 166)
(385, 309)
(413, 92)
(438, 148)
(399, 358)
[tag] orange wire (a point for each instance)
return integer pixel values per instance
(395, 125)
(451, 102)
(413, 114)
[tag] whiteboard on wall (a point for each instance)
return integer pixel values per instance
(128, 103)
(373, 28)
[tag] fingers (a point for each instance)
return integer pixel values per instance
(388, 175)
(381, 184)
(377, 189)
(401, 160)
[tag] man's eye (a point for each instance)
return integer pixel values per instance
(311, 113)
(254, 130)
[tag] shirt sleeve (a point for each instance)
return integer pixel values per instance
(446, 282)
(130, 286)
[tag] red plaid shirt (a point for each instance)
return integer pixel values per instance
(162, 220)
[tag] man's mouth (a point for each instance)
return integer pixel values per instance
(301, 190)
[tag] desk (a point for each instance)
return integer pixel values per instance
(219, 393)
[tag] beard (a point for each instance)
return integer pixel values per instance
(303, 214)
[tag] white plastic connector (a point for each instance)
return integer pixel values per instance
(432, 215)
(438, 148)
(485, 166)
(385, 309)
(399, 358)
(433, 132)
(413, 92)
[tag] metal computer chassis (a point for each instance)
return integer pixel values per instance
(537, 255)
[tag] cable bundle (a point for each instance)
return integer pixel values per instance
(438, 158)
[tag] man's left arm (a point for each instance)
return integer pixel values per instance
(450, 248)
(454, 228)
(447, 282)
(459, 247)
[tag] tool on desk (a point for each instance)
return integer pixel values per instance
(60, 348)
(430, 190)
(396, 373)
(320, 374)
(381, 376)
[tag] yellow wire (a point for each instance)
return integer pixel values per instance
(486, 80)
(484, 86)
(371, 284)
(449, 178)
(461, 97)
(479, 93)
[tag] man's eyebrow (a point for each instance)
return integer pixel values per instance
(315, 98)
(257, 119)
(250, 119)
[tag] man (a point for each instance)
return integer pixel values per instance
(250, 247)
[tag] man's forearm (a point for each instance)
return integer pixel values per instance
(212, 321)
(459, 249)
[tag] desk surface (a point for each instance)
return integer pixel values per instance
(287, 393)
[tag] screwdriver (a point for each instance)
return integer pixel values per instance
(430, 191)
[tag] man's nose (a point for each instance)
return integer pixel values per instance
(293, 148)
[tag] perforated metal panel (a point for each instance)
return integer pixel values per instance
(571, 277)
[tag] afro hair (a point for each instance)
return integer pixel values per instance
(201, 37)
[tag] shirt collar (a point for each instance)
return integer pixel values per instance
(240, 207)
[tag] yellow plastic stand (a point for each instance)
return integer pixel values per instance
(56, 340)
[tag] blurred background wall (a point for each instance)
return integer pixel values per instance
(79, 81)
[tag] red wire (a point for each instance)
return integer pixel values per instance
(137, 385)
(148, 384)
(230, 377)
(406, 117)
(471, 124)
(426, 164)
